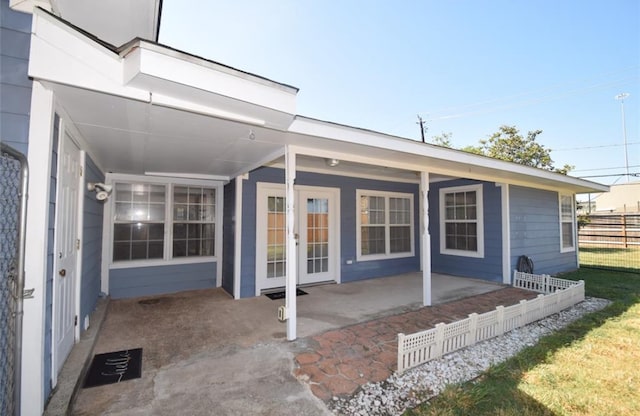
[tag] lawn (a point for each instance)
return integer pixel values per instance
(627, 259)
(591, 367)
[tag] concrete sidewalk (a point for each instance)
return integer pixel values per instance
(205, 353)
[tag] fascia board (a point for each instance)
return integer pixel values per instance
(27, 6)
(61, 55)
(146, 60)
(482, 165)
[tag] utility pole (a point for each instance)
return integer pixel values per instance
(422, 127)
(621, 97)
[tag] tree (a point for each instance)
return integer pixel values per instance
(508, 144)
(443, 140)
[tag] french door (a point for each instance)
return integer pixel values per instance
(316, 228)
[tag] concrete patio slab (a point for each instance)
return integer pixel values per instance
(205, 353)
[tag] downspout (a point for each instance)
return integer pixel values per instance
(19, 290)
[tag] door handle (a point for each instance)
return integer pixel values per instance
(62, 272)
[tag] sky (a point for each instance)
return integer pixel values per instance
(466, 67)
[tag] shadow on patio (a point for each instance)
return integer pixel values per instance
(204, 352)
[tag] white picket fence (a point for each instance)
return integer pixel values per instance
(556, 295)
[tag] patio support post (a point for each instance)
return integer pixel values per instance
(292, 268)
(426, 240)
(506, 233)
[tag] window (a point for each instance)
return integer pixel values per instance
(163, 221)
(138, 229)
(461, 225)
(567, 223)
(385, 225)
(194, 211)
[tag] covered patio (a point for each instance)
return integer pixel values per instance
(202, 348)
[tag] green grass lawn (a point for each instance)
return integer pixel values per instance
(591, 367)
(611, 257)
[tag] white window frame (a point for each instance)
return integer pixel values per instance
(478, 189)
(387, 255)
(572, 248)
(167, 259)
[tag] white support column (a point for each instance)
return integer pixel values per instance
(506, 234)
(33, 339)
(426, 240)
(292, 267)
(237, 261)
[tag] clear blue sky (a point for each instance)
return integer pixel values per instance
(467, 67)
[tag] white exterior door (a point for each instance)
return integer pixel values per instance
(318, 236)
(66, 235)
(317, 229)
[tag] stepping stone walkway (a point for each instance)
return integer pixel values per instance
(338, 362)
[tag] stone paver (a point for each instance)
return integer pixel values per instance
(338, 362)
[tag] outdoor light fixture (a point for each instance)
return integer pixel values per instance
(102, 191)
(332, 162)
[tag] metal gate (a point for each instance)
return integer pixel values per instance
(13, 198)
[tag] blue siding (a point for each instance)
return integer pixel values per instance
(156, 280)
(91, 243)
(489, 267)
(15, 85)
(348, 187)
(228, 236)
(535, 230)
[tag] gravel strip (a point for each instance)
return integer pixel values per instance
(398, 393)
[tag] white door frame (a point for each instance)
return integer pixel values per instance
(262, 188)
(333, 196)
(64, 138)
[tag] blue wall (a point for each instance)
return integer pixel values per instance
(535, 230)
(156, 280)
(489, 267)
(15, 86)
(228, 236)
(348, 186)
(91, 243)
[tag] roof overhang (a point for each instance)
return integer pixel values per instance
(113, 21)
(148, 109)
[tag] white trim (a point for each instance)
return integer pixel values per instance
(387, 255)
(349, 174)
(167, 260)
(270, 188)
(564, 249)
(425, 258)
(442, 160)
(479, 253)
(81, 191)
(262, 189)
(334, 228)
(506, 232)
(237, 261)
(39, 158)
(292, 263)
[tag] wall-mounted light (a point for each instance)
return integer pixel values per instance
(102, 190)
(332, 162)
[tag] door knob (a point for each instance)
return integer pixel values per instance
(62, 272)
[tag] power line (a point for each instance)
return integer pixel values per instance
(610, 175)
(593, 147)
(600, 169)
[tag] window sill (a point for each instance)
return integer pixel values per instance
(372, 257)
(161, 262)
(462, 253)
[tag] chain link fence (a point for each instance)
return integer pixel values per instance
(610, 241)
(12, 209)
